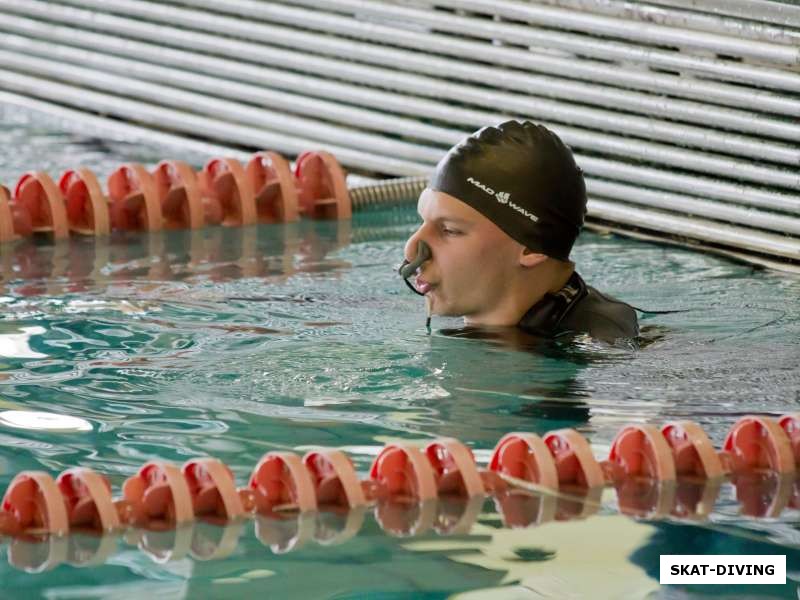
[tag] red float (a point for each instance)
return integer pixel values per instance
(335, 479)
(39, 197)
(183, 205)
(134, 202)
(322, 186)
(403, 472)
(692, 451)
(455, 468)
(525, 456)
(575, 464)
(34, 501)
(88, 499)
(281, 480)
(640, 451)
(224, 181)
(273, 184)
(160, 492)
(86, 205)
(759, 443)
(212, 489)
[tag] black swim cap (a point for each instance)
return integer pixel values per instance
(524, 179)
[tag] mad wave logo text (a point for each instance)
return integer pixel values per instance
(485, 188)
(502, 198)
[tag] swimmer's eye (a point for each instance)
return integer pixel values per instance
(449, 231)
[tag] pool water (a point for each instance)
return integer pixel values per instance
(232, 343)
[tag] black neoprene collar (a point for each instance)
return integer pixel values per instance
(544, 317)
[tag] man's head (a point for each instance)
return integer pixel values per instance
(501, 214)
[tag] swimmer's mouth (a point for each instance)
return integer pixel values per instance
(422, 286)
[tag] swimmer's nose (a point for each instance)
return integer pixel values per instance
(409, 267)
(411, 249)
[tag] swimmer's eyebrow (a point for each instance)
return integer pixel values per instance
(448, 219)
(454, 220)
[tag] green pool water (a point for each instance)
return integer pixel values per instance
(232, 343)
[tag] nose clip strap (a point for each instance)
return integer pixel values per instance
(407, 269)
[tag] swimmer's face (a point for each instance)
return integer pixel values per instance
(473, 260)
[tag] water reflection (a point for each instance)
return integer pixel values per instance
(275, 252)
(17, 344)
(43, 421)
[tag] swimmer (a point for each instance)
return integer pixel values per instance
(500, 216)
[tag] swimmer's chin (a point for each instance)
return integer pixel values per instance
(445, 312)
(439, 307)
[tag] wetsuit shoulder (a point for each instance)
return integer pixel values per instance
(579, 308)
(602, 317)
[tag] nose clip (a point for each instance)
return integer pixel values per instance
(407, 269)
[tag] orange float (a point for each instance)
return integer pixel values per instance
(34, 502)
(693, 452)
(575, 463)
(134, 204)
(640, 451)
(212, 489)
(455, 468)
(322, 186)
(280, 480)
(160, 492)
(402, 471)
(183, 204)
(225, 182)
(86, 205)
(40, 198)
(87, 496)
(273, 185)
(759, 443)
(525, 456)
(335, 479)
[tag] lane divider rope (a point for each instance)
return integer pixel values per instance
(173, 196)
(674, 470)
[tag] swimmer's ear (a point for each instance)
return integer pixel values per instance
(529, 258)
